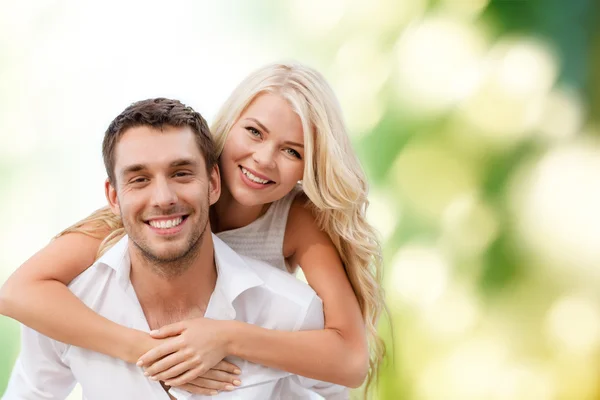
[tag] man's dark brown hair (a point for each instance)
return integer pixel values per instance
(157, 113)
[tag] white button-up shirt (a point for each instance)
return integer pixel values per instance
(246, 290)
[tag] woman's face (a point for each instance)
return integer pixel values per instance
(263, 157)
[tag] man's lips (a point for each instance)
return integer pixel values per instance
(167, 225)
(165, 218)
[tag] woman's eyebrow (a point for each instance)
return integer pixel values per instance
(260, 125)
(294, 144)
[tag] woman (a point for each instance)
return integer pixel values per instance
(281, 124)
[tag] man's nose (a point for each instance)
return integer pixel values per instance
(163, 195)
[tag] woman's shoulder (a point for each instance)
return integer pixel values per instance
(291, 197)
(281, 210)
(301, 219)
(300, 205)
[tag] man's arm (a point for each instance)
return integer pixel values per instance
(39, 372)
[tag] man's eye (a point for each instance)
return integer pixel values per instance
(253, 131)
(180, 174)
(139, 180)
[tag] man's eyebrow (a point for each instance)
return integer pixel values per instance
(183, 162)
(260, 125)
(133, 168)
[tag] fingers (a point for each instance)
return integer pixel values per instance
(171, 346)
(198, 390)
(220, 376)
(227, 367)
(168, 330)
(186, 377)
(202, 384)
(172, 365)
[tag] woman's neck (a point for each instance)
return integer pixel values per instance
(227, 213)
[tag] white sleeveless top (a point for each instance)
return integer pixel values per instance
(263, 238)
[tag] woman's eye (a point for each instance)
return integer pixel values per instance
(253, 131)
(293, 153)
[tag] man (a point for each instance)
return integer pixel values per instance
(163, 177)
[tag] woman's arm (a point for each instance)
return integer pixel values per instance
(337, 354)
(36, 295)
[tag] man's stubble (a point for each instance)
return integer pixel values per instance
(173, 265)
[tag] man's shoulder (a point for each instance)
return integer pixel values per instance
(281, 301)
(91, 283)
(281, 283)
(101, 272)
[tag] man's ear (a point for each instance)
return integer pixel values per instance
(111, 196)
(214, 181)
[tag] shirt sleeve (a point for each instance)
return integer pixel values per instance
(39, 372)
(313, 320)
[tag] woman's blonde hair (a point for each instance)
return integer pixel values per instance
(333, 181)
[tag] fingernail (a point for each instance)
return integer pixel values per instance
(153, 378)
(237, 382)
(146, 374)
(237, 371)
(154, 332)
(168, 383)
(139, 363)
(229, 387)
(214, 393)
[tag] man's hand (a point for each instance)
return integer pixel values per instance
(190, 349)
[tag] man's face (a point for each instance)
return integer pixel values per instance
(162, 191)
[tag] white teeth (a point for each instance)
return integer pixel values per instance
(254, 178)
(165, 224)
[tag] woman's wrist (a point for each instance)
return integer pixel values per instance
(230, 333)
(135, 344)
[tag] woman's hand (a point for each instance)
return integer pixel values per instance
(190, 349)
(136, 344)
(219, 378)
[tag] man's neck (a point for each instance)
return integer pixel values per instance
(170, 298)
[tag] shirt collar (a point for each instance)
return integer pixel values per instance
(117, 258)
(234, 275)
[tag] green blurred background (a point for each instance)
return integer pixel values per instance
(476, 120)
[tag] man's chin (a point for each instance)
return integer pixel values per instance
(165, 249)
(168, 253)
(161, 250)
